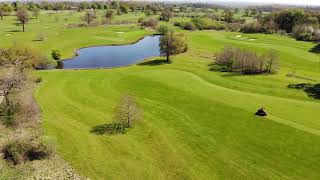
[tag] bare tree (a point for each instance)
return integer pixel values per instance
(272, 62)
(23, 17)
(246, 61)
(8, 84)
(35, 11)
(108, 15)
(89, 16)
(127, 111)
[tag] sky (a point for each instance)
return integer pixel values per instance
(304, 2)
(294, 2)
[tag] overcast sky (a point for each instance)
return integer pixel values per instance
(299, 2)
(305, 2)
(296, 2)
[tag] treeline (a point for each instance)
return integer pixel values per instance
(129, 5)
(244, 61)
(303, 25)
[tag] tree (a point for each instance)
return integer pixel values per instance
(89, 16)
(272, 61)
(5, 9)
(189, 26)
(109, 15)
(1, 11)
(171, 44)
(228, 16)
(35, 11)
(152, 23)
(163, 29)
(127, 111)
(165, 15)
(124, 9)
(287, 19)
(23, 17)
(115, 5)
(22, 58)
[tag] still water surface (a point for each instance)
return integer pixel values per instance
(114, 56)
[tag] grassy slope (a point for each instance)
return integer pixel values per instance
(67, 40)
(197, 124)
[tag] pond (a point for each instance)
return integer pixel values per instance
(114, 56)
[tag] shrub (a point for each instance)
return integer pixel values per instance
(141, 19)
(254, 27)
(305, 32)
(21, 151)
(38, 80)
(56, 54)
(201, 23)
(177, 23)
(8, 111)
(41, 36)
(208, 24)
(43, 62)
(163, 29)
(190, 26)
(152, 23)
(16, 152)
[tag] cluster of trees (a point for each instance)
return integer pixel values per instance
(245, 61)
(200, 23)
(303, 25)
(19, 110)
(5, 9)
(306, 32)
(150, 22)
(24, 58)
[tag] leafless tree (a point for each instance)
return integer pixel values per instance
(89, 16)
(23, 17)
(246, 61)
(127, 111)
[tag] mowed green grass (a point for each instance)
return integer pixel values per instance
(55, 27)
(197, 124)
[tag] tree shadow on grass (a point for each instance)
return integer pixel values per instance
(312, 90)
(155, 62)
(12, 31)
(109, 129)
(315, 49)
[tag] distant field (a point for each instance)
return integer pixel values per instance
(197, 124)
(58, 36)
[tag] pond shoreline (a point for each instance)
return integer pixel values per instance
(77, 52)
